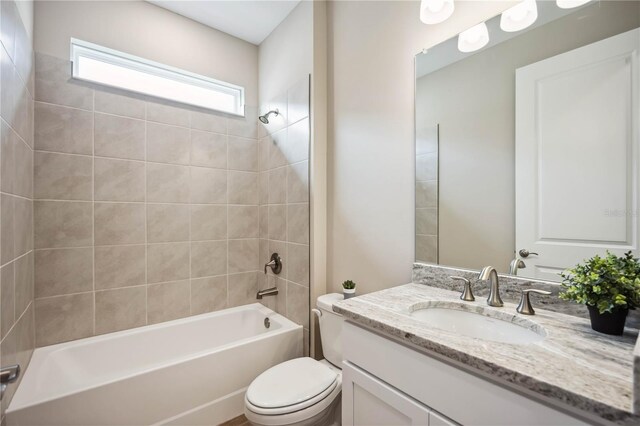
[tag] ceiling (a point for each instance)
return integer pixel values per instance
(250, 20)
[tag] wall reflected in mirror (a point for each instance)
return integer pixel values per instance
(527, 149)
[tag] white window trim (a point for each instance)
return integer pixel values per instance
(85, 49)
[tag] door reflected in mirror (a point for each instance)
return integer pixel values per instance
(527, 149)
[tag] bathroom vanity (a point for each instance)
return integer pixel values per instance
(401, 369)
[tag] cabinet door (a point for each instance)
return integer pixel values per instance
(368, 401)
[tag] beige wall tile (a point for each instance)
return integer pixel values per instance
(167, 114)
(243, 188)
(167, 144)
(7, 226)
(8, 142)
(63, 318)
(298, 223)
(243, 154)
(23, 222)
(208, 186)
(298, 183)
(298, 269)
(208, 294)
(208, 258)
(52, 83)
(263, 153)
(298, 304)
(120, 266)
(63, 271)
(209, 122)
(427, 166)
(62, 129)
(167, 223)
(208, 222)
(123, 104)
(119, 137)
(63, 224)
(246, 127)
(297, 148)
(278, 222)
(427, 194)
(168, 301)
(427, 248)
(263, 188)
(208, 149)
(24, 282)
(243, 255)
(243, 221)
(120, 309)
(63, 176)
(119, 223)
(167, 262)
(277, 144)
(427, 221)
(264, 222)
(167, 183)
(7, 298)
(23, 177)
(278, 186)
(119, 180)
(242, 288)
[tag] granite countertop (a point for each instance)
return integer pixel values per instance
(574, 365)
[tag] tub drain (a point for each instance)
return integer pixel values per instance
(267, 323)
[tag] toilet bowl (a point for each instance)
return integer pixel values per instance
(302, 391)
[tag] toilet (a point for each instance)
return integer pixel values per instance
(302, 391)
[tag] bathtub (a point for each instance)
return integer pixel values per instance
(192, 371)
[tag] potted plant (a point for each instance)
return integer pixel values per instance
(609, 286)
(349, 289)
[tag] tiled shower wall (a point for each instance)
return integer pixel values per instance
(284, 202)
(16, 197)
(144, 211)
(426, 193)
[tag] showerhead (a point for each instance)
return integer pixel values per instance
(265, 118)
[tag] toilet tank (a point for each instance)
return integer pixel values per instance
(330, 328)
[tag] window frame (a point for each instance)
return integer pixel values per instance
(80, 48)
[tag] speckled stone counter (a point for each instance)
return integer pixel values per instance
(573, 364)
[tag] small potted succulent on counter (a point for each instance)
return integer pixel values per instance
(349, 289)
(609, 286)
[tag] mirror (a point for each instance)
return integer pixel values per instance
(527, 149)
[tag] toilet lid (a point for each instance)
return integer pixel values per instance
(290, 383)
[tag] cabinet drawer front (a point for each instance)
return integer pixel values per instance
(461, 396)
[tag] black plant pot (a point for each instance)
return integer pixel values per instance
(609, 322)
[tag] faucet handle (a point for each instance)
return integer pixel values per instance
(467, 294)
(524, 307)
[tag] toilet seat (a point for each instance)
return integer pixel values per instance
(293, 391)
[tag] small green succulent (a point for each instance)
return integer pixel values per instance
(348, 285)
(609, 283)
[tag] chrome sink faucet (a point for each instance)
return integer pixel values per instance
(489, 273)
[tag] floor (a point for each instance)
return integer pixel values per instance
(238, 421)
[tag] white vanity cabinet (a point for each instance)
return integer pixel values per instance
(387, 383)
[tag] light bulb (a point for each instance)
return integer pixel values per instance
(570, 4)
(435, 11)
(519, 16)
(474, 38)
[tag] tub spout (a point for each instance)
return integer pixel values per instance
(273, 291)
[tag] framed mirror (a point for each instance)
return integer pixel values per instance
(527, 141)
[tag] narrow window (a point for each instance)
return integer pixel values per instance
(109, 67)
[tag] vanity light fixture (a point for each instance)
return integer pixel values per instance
(519, 16)
(474, 38)
(570, 4)
(435, 11)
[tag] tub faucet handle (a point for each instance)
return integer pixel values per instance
(275, 264)
(8, 375)
(524, 307)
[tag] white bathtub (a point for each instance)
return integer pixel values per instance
(191, 371)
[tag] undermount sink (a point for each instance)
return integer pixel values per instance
(479, 323)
